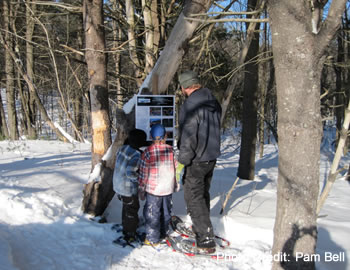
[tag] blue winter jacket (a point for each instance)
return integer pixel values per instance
(125, 175)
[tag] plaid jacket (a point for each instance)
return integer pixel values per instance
(125, 173)
(157, 170)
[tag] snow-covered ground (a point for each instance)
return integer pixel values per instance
(42, 226)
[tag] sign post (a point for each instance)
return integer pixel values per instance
(156, 109)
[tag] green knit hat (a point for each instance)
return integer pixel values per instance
(188, 78)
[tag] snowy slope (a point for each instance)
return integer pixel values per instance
(42, 226)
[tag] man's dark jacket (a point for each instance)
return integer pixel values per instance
(199, 128)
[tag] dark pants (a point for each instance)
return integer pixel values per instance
(130, 217)
(157, 214)
(196, 180)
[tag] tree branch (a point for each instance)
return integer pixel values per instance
(66, 6)
(331, 24)
(227, 20)
(338, 154)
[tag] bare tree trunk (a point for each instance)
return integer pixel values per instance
(263, 84)
(156, 28)
(78, 92)
(298, 59)
(246, 169)
(29, 113)
(117, 33)
(149, 35)
(263, 91)
(3, 125)
(10, 75)
(340, 95)
(130, 13)
(97, 196)
(97, 69)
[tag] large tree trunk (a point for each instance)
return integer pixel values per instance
(97, 195)
(97, 69)
(298, 63)
(246, 169)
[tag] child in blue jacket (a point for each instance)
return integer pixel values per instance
(125, 181)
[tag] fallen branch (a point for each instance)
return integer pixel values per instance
(334, 172)
(228, 195)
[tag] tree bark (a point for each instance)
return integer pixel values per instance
(4, 133)
(263, 85)
(97, 195)
(339, 98)
(10, 75)
(27, 97)
(117, 34)
(246, 169)
(298, 64)
(130, 13)
(149, 35)
(97, 70)
(156, 18)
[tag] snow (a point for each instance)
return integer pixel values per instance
(42, 226)
(128, 106)
(65, 134)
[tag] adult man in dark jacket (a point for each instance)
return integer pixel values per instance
(199, 144)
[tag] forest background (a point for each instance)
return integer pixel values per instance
(46, 55)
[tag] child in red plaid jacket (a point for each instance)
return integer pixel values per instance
(156, 184)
